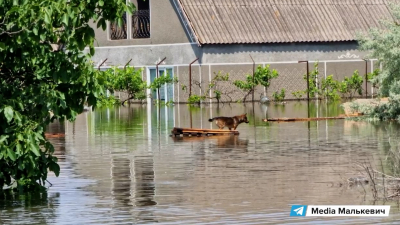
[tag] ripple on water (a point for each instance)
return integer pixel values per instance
(118, 168)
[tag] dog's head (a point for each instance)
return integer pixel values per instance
(243, 118)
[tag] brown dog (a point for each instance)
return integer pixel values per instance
(230, 122)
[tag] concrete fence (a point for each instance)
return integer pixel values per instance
(291, 78)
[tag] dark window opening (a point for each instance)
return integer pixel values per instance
(141, 20)
(118, 32)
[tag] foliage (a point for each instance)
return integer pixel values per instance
(351, 86)
(216, 88)
(130, 80)
(278, 97)
(373, 78)
(330, 88)
(127, 80)
(262, 76)
(313, 89)
(384, 45)
(162, 80)
(298, 94)
(43, 70)
(110, 101)
(195, 99)
(388, 111)
(364, 108)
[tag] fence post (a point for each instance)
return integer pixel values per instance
(127, 63)
(308, 78)
(366, 78)
(254, 69)
(157, 75)
(190, 76)
(102, 63)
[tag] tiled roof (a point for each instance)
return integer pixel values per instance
(279, 21)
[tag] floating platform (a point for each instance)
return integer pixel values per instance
(200, 132)
(284, 119)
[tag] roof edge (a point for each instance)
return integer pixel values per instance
(186, 22)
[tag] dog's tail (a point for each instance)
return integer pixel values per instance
(210, 120)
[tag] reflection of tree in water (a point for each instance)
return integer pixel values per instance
(140, 196)
(58, 142)
(389, 142)
(41, 207)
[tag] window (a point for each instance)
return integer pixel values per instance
(117, 32)
(141, 20)
(135, 27)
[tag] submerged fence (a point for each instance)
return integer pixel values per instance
(291, 78)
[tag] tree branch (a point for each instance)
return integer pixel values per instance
(11, 33)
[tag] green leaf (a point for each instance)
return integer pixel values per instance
(17, 117)
(101, 3)
(65, 19)
(18, 148)
(15, 2)
(8, 113)
(21, 106)
(11, 154)
(100, 22)
(91, 50)
(81, 44)
(47, 18)
(2, 46)
(103, 24)
(55, 168)
(35, 31)
(34, 147)
(3, 138)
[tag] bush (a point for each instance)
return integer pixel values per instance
(195, 99)
(279, 97)
(262, 76)
(351, 86)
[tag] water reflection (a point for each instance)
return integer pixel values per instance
(121, 166)
(10, 202)
(121, 182)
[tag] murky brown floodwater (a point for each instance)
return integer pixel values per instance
(120, 166)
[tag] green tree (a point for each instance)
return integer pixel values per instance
(128, 80)
(262, 76)
(160, 82)
(42, 70)
(351, 86)
(384, 45)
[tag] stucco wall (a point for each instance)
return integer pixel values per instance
(165, 28)
(143, 55)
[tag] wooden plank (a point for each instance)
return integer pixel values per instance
(304, 119)
(200, 132)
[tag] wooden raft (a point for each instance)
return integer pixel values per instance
(199, 132)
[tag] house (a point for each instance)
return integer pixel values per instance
(227, 35)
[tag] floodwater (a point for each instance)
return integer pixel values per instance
(120, 166)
